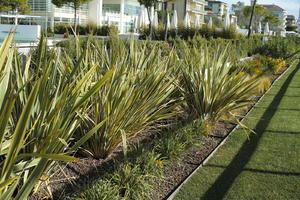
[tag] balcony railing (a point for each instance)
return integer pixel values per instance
(194, 9)
(116, 17)
(198, 1)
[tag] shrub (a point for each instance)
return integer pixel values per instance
(102, 189)
(37, 125)
(132, 179)
(263, 68)
(85, 30)
(132, 182)
(143, 154)
(174, 142)
(188, 33)
(277, 47)
(137, 95)
(211, 88)
(262, 65)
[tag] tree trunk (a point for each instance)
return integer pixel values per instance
(150, 24)
(166, 21)
(251, 18)
(162, 13)
(75, 17)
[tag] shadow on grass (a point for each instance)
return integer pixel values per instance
(290, 96)
(294, 87)
(280, 109)
(283, 132)
(261, 171)
(221, 186)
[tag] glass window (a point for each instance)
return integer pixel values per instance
(132, 10)
(111, 8)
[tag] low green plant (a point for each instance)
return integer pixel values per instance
(132, 182)
(102, 189)
(86, 30)
(148, 159)
(264, 68)
(175, 141)
(132, 178)
(188, 33)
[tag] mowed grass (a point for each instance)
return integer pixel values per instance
(264, 166)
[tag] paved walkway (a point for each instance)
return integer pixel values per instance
(265, 166)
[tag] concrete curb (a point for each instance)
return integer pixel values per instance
(171, 197)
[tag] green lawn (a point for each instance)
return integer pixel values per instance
(266, 166)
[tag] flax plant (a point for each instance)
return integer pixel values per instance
(135, 98)
(212, 89)
(41, 102)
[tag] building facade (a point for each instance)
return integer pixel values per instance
(194, 8)
(217, 8)
(238, 10)
(280, 13)
(121, 13)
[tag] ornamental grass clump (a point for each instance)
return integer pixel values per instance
(137, 96)
(41, 103)
(212, 89)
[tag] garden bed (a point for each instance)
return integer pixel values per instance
(139, 117)
(62, 183)
(69, 176)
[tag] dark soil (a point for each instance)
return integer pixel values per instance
(177, 171)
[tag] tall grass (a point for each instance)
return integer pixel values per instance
(135, 98)
(212, 89)
(40, 103)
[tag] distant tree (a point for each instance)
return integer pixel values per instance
(238, 5)
(238, 9)
(165, 3)
(217, 22)
(75, 4)
(20, 6)
(271, 19)
(259, 11)
(148, 5)
(261, 14)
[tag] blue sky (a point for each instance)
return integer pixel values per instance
(291, 6)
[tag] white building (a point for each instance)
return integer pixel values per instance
(217, 8)
(121, 13)
(280, 13)
(194, 8)
(298, 22)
